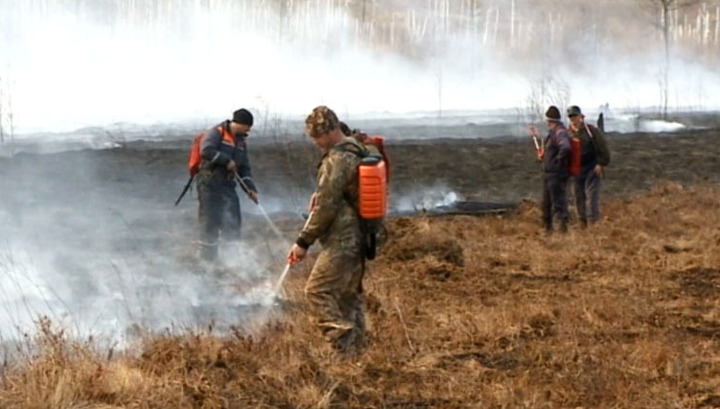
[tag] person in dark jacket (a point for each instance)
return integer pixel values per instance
(224, 160)
(594, 157)
(556, 156)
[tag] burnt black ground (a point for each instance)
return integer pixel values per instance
(142, 179)
(103, 221)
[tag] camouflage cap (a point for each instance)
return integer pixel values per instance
(321, 121)
(574, 110)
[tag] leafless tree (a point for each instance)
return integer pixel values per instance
(6, 118)
(664, 12)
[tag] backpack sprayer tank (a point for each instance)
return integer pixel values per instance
(373, 188)
(372, 192)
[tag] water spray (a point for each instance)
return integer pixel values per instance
(278, 286)
(254, 199)
(273, 227)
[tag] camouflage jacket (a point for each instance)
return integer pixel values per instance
(334, 220)
(361, 138)
(594, 150)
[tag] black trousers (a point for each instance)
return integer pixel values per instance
(554, 200)
(587, 196)
(218, 213)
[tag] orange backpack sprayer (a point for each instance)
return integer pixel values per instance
(379, 142)
(196, 152)
(193, 164)
(372, 198)
(196, 157)
(372, 194)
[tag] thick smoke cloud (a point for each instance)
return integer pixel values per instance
(101, 257)
(92, 241)
(71, 64)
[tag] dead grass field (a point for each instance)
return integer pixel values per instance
(464, 312)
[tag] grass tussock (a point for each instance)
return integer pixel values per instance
(463, 312)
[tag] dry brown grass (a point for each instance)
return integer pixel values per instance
(464, 313)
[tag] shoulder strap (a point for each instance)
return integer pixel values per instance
(358, 150)
(225, 128)
(589, 129)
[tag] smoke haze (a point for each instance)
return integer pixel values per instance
(68, 64)
(92, 242)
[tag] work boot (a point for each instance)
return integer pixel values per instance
(208, 252)
(343, 344)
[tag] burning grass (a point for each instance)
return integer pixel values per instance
(464, 312)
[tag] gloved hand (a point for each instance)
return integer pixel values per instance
(231, 167)
(296, 254)
(600, 171)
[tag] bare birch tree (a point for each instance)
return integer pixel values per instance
(665, 12)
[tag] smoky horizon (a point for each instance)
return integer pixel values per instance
(68, 64)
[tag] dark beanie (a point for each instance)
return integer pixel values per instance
(552, 114)
(243, 116)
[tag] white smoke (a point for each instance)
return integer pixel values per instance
(98, 259)
(425, 199)
(110, 294)
(71, 67)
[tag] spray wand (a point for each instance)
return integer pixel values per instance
(254, 199)
(185, 189)
(539, 149)
(273, 226)
(291, 260)
(246, 189)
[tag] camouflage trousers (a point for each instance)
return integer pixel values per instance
(334, 294)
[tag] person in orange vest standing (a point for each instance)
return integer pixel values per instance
(224, 160)
(594, 157)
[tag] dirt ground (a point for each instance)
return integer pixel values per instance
(464, 312)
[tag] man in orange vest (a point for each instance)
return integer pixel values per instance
(594, 157)
(224, 159)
